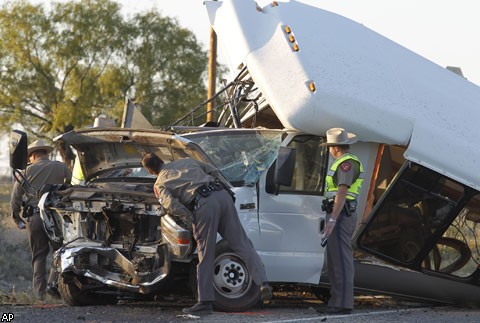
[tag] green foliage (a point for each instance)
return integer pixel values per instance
(178, 60)
(61, 68)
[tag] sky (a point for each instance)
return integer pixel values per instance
(444, 31)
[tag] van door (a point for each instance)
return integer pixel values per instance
(291, 221)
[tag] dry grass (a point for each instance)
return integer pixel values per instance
(15, 267)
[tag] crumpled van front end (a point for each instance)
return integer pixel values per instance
(111, 241)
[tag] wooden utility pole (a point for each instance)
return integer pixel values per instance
(212, 74)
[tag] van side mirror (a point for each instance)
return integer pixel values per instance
(18, 149)
(284, 167)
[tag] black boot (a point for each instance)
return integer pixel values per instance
(201, 308)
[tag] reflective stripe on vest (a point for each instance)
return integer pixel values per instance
(354, 189)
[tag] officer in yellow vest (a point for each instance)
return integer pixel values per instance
(343, 182)
(77, 173)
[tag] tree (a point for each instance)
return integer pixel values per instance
(59, 69)
(178, 63)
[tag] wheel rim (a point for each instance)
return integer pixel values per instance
(231, 278)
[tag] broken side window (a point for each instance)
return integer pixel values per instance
(311, 160)
(426, 221)
(457, 251)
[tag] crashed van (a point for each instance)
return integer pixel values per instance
(117, 241)
(299, 70)
(305, 69)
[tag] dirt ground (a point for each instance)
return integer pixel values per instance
(15, 257)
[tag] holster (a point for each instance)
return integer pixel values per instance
(231, 193)
(29, 211)
(327, 205)
(350, 207)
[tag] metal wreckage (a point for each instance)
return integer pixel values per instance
(419, 210)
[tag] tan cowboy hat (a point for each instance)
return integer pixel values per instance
(39, 144)
(338, 136)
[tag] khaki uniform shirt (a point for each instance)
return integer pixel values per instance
(177, 182)
(346, 173)
(41, 172)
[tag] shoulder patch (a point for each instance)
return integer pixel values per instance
(345, 166)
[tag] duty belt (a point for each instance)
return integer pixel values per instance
(350, 206)
(207, 189)
(204, 191)
(29, 211)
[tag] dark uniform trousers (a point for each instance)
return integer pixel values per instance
(39, 246)
(217, 213)
(340, 261)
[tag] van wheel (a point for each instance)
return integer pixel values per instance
(233, 283)
(70, 289)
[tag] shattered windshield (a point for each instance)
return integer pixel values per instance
(241, 156)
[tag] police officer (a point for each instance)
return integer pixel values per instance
(343, 182)
(39, 172)
(193, 191)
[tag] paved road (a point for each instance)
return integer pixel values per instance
(284, 309)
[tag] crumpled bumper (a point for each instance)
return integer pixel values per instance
(110, 267)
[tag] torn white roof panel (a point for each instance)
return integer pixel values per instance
(364, 82)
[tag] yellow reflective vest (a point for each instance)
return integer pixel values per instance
(354, 189)
(77, 173)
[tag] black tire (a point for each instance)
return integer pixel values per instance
(234, 287)
(69, 287)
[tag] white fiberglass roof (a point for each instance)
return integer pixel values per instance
(364, 82)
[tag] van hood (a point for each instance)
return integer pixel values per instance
(107, 149)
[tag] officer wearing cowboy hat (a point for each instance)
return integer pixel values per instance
(39, 172)
(39, 145)
(343, 181)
